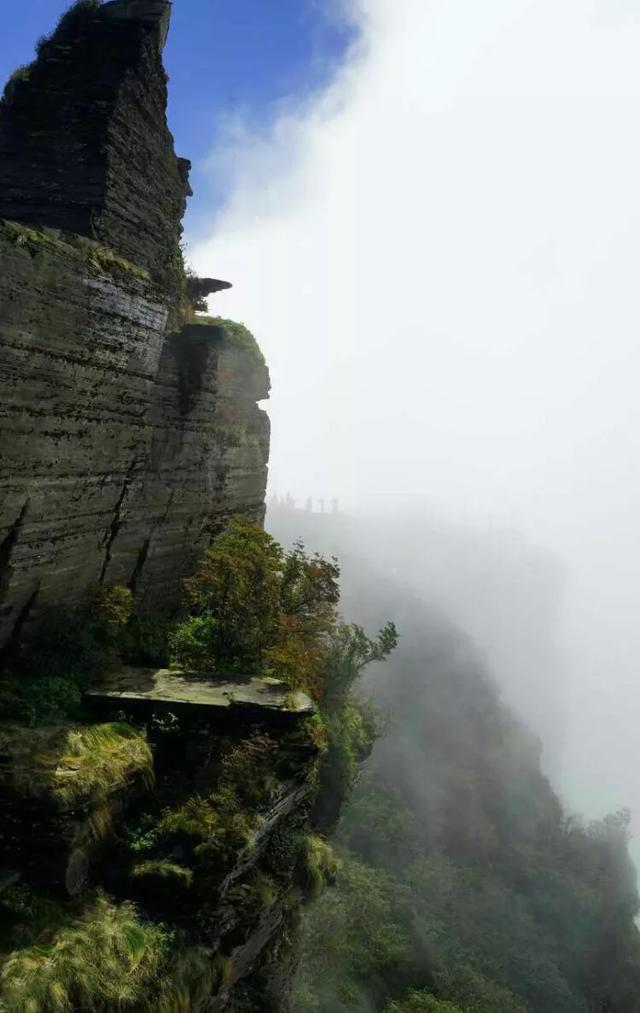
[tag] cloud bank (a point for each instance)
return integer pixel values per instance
(438, 254)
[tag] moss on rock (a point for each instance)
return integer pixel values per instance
(235, 334)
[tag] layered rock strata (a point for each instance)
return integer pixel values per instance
(122, 445)
(126, 436)
(84, 142)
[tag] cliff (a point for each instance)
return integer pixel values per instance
(84, 142)
(129, 429)
(153, 834)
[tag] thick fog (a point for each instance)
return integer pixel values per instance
(439, 257)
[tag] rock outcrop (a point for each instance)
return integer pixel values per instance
(176, 806)
(84, 142)
(127, 436)
(121, 805)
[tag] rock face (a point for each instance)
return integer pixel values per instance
(129, 432)
(126, 436)
(237, 894)
(84, 142)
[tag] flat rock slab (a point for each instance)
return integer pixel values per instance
(172, 690)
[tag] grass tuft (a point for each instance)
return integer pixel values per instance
(161, 868)
(321, 866)
(105, 959)
(77, 766)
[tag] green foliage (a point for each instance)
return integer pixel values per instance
(349, 651)
(235, 334)
(103, 259)
(457, 852)
(55, 958)
(422, 1002)
(114, 607)
(235, 595)
(187, 980)
(355, 948)
(144, 640)
(192, 644)
(70, 647)
(350, 731)
(321, 866)
(256, 607)
(223, 821)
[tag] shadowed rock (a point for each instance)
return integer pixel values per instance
(199, 288)
(84, 142)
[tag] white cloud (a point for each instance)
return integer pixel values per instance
(438, 254)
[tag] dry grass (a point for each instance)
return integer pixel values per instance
(76, 766)
(105, 959)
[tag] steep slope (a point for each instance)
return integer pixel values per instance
(129, 428)
(464, 881)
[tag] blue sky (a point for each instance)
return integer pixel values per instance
(224, 57)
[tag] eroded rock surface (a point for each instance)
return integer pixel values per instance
(126, 436)
(84, 142)
(130, 430)
(163, 688)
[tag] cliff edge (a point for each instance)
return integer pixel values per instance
(129, 426)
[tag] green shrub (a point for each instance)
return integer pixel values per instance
(193, 642)
(234, 594)
(256, 608)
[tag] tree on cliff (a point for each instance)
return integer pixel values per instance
(258, 608)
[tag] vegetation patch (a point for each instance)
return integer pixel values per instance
(163, 869)
(235, 334)
(321, 865)
(224, 821)
(422, 1002)
(90, 255)
(106, 958)
(75, 766)
(70, 648)
(464, 886)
